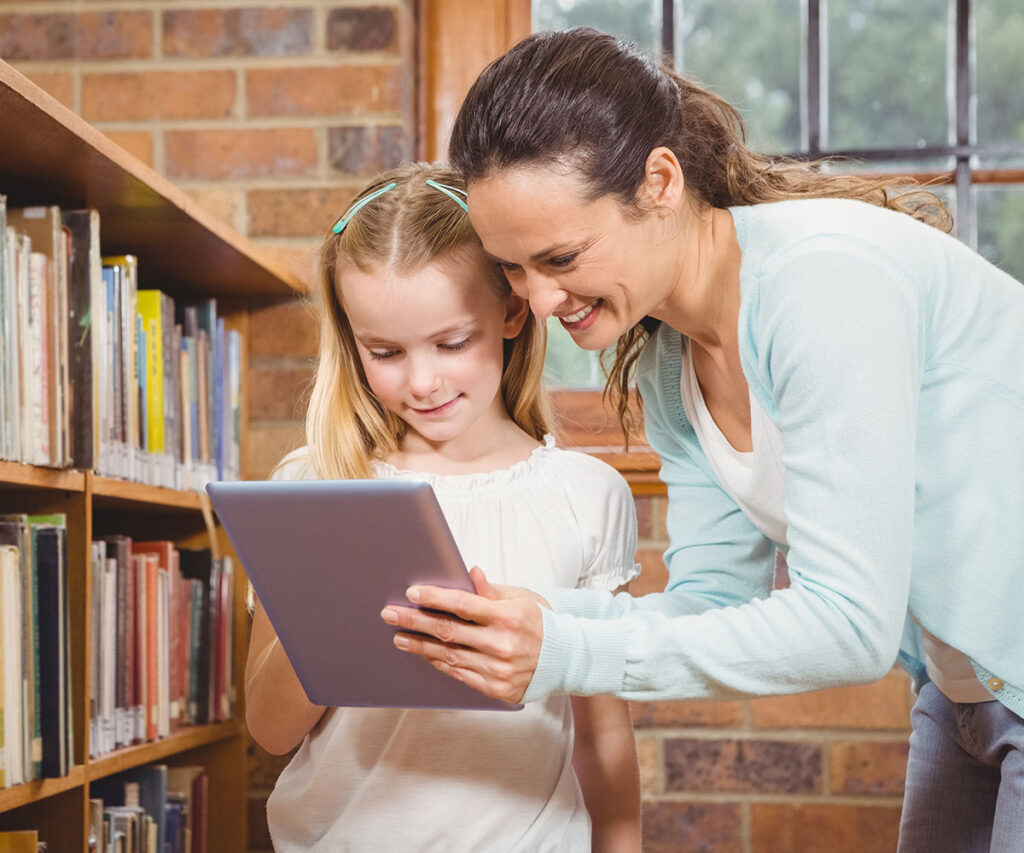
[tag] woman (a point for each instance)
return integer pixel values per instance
(823, 374)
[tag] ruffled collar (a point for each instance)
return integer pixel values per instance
(475, 481)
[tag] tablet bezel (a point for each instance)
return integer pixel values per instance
(324, 557)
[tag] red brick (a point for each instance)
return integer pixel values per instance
(237, 32)
(138, 143)
(653, 573)
(369, 28)
(76, 35)
(296, 213)
(249, 153)
(267, 445)
(279, 393)
(685, 713)
(141, 96)
(303, 260)
(742, 766)
(365, 149)
(650, 517)
(885, 704)
(287, 329)
(692, 828)
(350, 90)
(59, 84)
(648, 754)
(220, 202)
(814, 828)
(868, 767)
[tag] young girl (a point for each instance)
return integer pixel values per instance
(430, 368)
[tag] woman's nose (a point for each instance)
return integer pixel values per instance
(544, 295)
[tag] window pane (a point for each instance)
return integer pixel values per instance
(636, 20)
(749, 52)
(999, 70)
(886, 73)
(1001, 226)
(568, 366)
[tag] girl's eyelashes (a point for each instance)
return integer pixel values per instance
(456, 345)
(383, 354)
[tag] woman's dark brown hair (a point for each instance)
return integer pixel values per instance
(600, 105)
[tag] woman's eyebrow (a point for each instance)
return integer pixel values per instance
(538, 256)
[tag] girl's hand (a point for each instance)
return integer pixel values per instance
(490, 641)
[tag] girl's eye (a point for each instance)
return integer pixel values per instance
(382, 355)
(456, 346)
(562, 260)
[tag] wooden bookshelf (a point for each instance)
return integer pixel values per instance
(48, 155)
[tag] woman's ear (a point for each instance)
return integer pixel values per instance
(663, 179)
(517, 310)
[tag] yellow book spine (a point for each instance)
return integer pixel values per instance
(151, 311)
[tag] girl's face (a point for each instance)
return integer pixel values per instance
(431, 342)
(587, 263)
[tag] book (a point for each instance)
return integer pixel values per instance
(11, 743)
(49, 550)
(15, 530)
(85, 343)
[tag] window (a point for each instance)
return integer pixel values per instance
(930, 88)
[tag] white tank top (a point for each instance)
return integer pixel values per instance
(756, 480)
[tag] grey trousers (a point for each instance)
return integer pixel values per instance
(965, 778)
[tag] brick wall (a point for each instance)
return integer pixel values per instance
(817, 772)
(272, 115)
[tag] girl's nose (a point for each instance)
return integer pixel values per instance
(423, 378)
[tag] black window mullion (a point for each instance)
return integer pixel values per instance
(813, 86)
(965, 209)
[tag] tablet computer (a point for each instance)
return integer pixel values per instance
(324, 557)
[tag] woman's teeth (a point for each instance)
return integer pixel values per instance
(579, 315)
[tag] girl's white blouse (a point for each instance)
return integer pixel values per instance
(414, 780)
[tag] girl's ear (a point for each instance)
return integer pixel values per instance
(663, 179)
(517, 310)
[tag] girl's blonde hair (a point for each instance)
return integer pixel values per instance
(623, 106)
(404, 230)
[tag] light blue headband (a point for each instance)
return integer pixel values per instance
(452, 193)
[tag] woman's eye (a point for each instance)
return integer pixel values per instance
(506, 267)
(562, 260)
(381, 355)
(456, 346)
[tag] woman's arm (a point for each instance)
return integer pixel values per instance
(277, 711)
(605, 761)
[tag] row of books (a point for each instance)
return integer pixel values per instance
(161, 641)
(36, 737)
(155, 809)
(98, 374)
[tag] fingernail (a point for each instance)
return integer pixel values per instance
(390, 616)
(401, 642)
(413, 593)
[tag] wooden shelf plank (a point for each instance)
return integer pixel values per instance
(107, 491)
(187, 738)
(18, 475)
(40, 789)
(55, 157)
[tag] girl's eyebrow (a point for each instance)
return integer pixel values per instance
(461, 326)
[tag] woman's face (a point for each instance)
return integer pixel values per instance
(589, 264)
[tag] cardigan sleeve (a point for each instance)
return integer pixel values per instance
(836, 339)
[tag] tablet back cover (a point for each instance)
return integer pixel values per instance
(325, 556)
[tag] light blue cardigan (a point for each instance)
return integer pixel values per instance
(892, 359)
